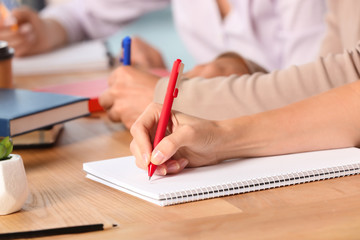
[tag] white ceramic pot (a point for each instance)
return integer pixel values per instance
(13, 185)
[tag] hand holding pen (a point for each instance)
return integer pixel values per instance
(171, 94)
(189, 142)
(27, 33)
(126, 51)
(184, 144)
(136, 51)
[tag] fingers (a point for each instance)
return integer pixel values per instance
(169, 145)
(141, 147)
(176, 166)
(114, 76)
(195, 72)
(106, 99)
(171, 166)
(115, 113)
(142, 130)
(145, 55)
(20, 42)
(221, 66)
(24, 14)
(24, 38)
(142, 161)
(109, 101)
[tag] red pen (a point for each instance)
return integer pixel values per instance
(171, 93)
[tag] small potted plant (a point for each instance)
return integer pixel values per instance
(13, 183)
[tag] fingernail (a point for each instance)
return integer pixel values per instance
(146, 158)
(173, 167)
(183, 163)
(157, 157)
(160, 170)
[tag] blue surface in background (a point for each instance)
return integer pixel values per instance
(156, 28)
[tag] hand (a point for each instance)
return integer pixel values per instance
(144, 55)
(225, 65)
(130, 91)
(190, 142)
(34, 35)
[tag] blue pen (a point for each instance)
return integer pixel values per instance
(126, 47)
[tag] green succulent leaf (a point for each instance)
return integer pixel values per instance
(2, 152)
(6, 147)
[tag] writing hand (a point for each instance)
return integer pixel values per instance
(189, 142)
(130, 92)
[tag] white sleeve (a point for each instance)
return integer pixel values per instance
(302, 27)
(93, 19)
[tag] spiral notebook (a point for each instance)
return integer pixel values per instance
(228, 178)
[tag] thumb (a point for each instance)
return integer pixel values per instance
(196, 71)
(170, 144)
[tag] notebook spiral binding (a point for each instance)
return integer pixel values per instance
(250, 185)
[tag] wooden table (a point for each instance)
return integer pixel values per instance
(61, 195)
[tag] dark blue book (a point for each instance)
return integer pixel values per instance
(23, 111)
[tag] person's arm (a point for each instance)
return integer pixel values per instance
(91, 19)
(326, 121)
(131, 89)
(225, 64)
(234, 96)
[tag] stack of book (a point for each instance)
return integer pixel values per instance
(24, 111)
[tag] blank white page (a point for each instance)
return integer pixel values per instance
(123, 174)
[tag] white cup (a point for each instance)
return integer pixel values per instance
(6, 55)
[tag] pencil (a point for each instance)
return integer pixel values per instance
(57, 231)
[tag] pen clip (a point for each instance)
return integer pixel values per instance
(180, 72)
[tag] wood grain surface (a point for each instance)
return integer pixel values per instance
(62, 196)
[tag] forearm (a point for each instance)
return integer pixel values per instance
(55, 33)
(326, 121)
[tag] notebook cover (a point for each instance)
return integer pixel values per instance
(90, 89)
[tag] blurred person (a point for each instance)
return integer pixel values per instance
(219, 98)
(267, 127)
(274, 34)
(265, 35)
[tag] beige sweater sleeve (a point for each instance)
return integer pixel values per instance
(229, 97)
(332, 41)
